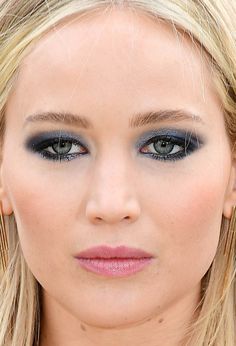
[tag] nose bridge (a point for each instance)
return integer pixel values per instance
(112, 195)
(113, 173)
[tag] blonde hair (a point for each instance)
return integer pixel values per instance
(211, 24)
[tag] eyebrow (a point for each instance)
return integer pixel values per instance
(136, 121)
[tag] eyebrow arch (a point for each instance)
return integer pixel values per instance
(138, 120)
(168, 115)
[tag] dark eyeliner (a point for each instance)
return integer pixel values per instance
(39, 142)
(188, 140)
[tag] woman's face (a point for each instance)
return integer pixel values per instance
(159, 185)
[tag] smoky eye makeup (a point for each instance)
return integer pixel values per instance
(56, 145)
(165, 144)
(169, 144)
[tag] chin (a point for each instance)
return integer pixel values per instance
(110, 322)
(113, 319)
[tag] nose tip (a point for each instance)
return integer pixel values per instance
(113, 213)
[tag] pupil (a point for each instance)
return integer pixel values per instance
(62, 147)
(163, 147)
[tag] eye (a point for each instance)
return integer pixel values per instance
(62, 147)
(57, 147)
(171, 147)
(165, 147)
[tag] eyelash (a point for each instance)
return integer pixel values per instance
(40, 145)
(186, 143)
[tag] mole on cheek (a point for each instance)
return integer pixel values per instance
(160, 320)
(83, 327)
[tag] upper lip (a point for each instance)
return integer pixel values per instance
(105, 251)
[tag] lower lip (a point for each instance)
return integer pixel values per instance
(114, 267)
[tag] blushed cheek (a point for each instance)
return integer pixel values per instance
(198, 205)
(41, 217)
(193, 226)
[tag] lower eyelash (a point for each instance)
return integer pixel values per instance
(174, 157)
(59, 157)
(55, 157)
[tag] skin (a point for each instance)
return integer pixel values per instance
(107, 67)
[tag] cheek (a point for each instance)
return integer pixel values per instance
(196, 220)
(38, 216)
(189, 219)
(196, 205)
(43, 208)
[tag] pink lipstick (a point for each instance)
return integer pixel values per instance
(114, 262)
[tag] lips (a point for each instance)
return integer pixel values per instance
(119, 261)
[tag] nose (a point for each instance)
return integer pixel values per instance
(112, 198)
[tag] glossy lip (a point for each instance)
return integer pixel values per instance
(114, 262)
(105, 251)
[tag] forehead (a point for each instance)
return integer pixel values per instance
(128, 37)
(118, 56)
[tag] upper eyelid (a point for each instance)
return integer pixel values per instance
(43, 137)
(142, 139)
(178, 134)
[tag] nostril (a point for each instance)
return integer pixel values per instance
(108, 212)
(98, 218)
